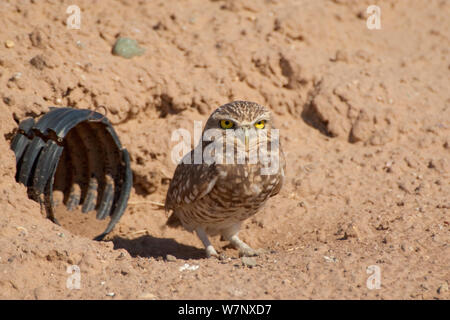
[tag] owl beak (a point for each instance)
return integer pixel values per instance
(246, 137)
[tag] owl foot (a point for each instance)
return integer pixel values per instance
(244, 249)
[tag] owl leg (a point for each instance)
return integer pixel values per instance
(210, 251)
(231, 235)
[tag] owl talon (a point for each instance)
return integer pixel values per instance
(211, 252)
(248, 252)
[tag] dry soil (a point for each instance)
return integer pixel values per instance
(364, 118)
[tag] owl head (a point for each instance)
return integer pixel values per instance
(243, 124)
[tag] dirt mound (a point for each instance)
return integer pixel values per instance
(364, 118)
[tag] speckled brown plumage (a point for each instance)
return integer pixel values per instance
(215, 198)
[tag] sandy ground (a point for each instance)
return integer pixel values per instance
(364, 117)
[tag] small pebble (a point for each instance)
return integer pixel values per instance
(330, 259)
(127, 48)
(110, 294)
(9, 44)
(171, 258)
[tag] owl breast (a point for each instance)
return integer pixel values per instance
(240, 191)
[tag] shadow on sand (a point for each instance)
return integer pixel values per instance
(147, 246)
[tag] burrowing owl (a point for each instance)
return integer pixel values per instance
(214, 197)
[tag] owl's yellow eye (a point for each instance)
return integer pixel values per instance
(226, 124)
(260, 124)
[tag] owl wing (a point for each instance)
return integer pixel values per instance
(190, 183)
(281, 175)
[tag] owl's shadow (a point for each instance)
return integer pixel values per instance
(147, 246)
